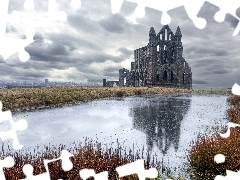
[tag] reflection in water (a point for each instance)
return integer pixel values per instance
(160, 119)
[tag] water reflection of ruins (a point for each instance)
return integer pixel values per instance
(160, 119)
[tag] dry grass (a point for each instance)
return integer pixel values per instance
(21, 99)
(205, 148)
(86, 156)
(89, 155)
(234, 100)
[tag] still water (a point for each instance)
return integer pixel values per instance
(165, 125)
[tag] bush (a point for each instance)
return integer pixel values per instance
(201, 155)
(138, 92)
(88, 155)
(234, 100)
(120, 93)
(203, 152)
(233, 114)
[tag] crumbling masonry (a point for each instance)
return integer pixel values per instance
(160, 63)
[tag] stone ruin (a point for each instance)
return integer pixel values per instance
(160, 63)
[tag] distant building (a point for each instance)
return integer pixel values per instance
(110, 83)
(159, 63)
(104, 82)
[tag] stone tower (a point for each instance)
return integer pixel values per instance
(160, 62)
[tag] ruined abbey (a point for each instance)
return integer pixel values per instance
(159, 63)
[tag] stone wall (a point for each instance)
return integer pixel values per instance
(160, 63)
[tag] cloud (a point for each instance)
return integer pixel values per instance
(232, 20)
(94, 43)
(126, 52)
(114, 24)
(195, 81)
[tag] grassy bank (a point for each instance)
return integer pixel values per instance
(87, 155)
(21, 99)
(205, 148)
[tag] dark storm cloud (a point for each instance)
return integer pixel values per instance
(127, 8)
(74, 41)
(91, 35)
(35, 74)
(209, 51)
(111, 74)
(114, 24)
(208, 11)
(112, 69)
(94, 79)
(82, 23)
(195, 81)
(238, 12)
(100, 57)
(49, 53)
(126, 52)
(38, 38)
(205, 62)
(219, 69)
(232, 20)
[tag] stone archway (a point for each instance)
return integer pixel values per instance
(165, 76)
(172, 77)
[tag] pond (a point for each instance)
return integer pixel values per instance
(165, 125)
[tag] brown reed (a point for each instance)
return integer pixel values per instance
(201, 155)
(88, 155)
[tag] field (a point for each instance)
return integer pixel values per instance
(22, 99)
(91, 155)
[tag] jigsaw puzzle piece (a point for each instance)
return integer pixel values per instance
(20, 125)
(137, 167)
(5, 163)
(87, 173)
(8, 46)
(230, 125)
(225, 7)
(28, 171)
(236, 89)
(75, 4)
(54, 14)
(219, 158)
(28, 5)
(192, 10)
(226, 12)
(159, 5)
(66, 166)
(230, 175)
(3, 17)
(116, 5)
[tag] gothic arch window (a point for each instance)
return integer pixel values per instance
(158, 48)
(170, 36)
(164, 47)
(171, 77)
(158, 78)
(166, 34)
(184, 78)
(165, 76)
(160, 37)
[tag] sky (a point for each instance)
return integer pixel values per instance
(93, 44)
